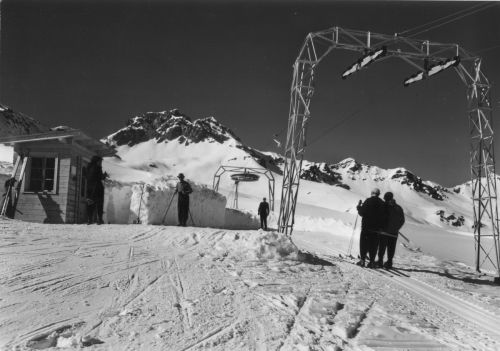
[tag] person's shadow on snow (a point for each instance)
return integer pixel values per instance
(52, 209)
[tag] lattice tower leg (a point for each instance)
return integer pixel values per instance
(302, 91)
(483, 176)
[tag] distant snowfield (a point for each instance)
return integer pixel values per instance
(136, 287)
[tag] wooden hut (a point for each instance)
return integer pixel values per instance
(49, 169)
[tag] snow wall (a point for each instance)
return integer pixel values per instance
(239, 219)
(127, 202)
(207, 207)
(117, 202)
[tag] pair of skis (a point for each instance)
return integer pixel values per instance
(12, 185)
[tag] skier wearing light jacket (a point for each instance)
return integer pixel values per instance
(373, 213)
(395, 218)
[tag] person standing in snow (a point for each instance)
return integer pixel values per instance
(95, 190)
(183, 189)
(395, 218)
(263, 212)
(373, 213)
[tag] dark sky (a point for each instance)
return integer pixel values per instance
(94, 64)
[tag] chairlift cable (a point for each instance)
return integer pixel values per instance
(454, 19)
(487, 49)
(441, 18)
(352, 114)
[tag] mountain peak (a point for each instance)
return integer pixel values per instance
(166, 126)
(349, 164)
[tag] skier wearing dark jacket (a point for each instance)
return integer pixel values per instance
(395, 219)
(183, 189)
(373, 213)
(95, 190)
(263, 212)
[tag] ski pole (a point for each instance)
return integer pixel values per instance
(394, 236)
(140, 204)
(168, 207)
(191, 216)
(352, 236)
(386, 234)
(404, 237)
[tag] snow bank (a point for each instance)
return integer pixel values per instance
(117, 202)
(240, 219)
(251, 245)
(125, 202)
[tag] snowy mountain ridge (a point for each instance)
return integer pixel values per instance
(155, 145)
(167, 126)
(349, 170)
(170, 125)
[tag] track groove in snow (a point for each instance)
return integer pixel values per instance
(463, 309)
(291, 324)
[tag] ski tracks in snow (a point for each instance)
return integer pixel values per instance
(160, 288)
(437, 313)
(484, 320)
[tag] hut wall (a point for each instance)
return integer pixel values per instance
(45, 207)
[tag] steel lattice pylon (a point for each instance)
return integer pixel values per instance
(419, 54)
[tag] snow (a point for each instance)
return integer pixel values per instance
(150, 205)
(6, 153)
(117, 202)
(157, 204)
(320, 207)
(144, 287)
(221, 284)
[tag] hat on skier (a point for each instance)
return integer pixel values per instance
(388, 196)
(180, 176)
(376, 191)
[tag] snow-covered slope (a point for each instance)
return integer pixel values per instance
(156, 144)
(133, 287)
(144, 287)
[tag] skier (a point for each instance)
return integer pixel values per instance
(263, 212)
(95, 190)
(373, 213)
(395, 219)
(183, 189)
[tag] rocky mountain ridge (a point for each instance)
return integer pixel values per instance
(15, 123)
(168, 126)
(349, 169)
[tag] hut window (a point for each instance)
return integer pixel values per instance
(42, 174)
